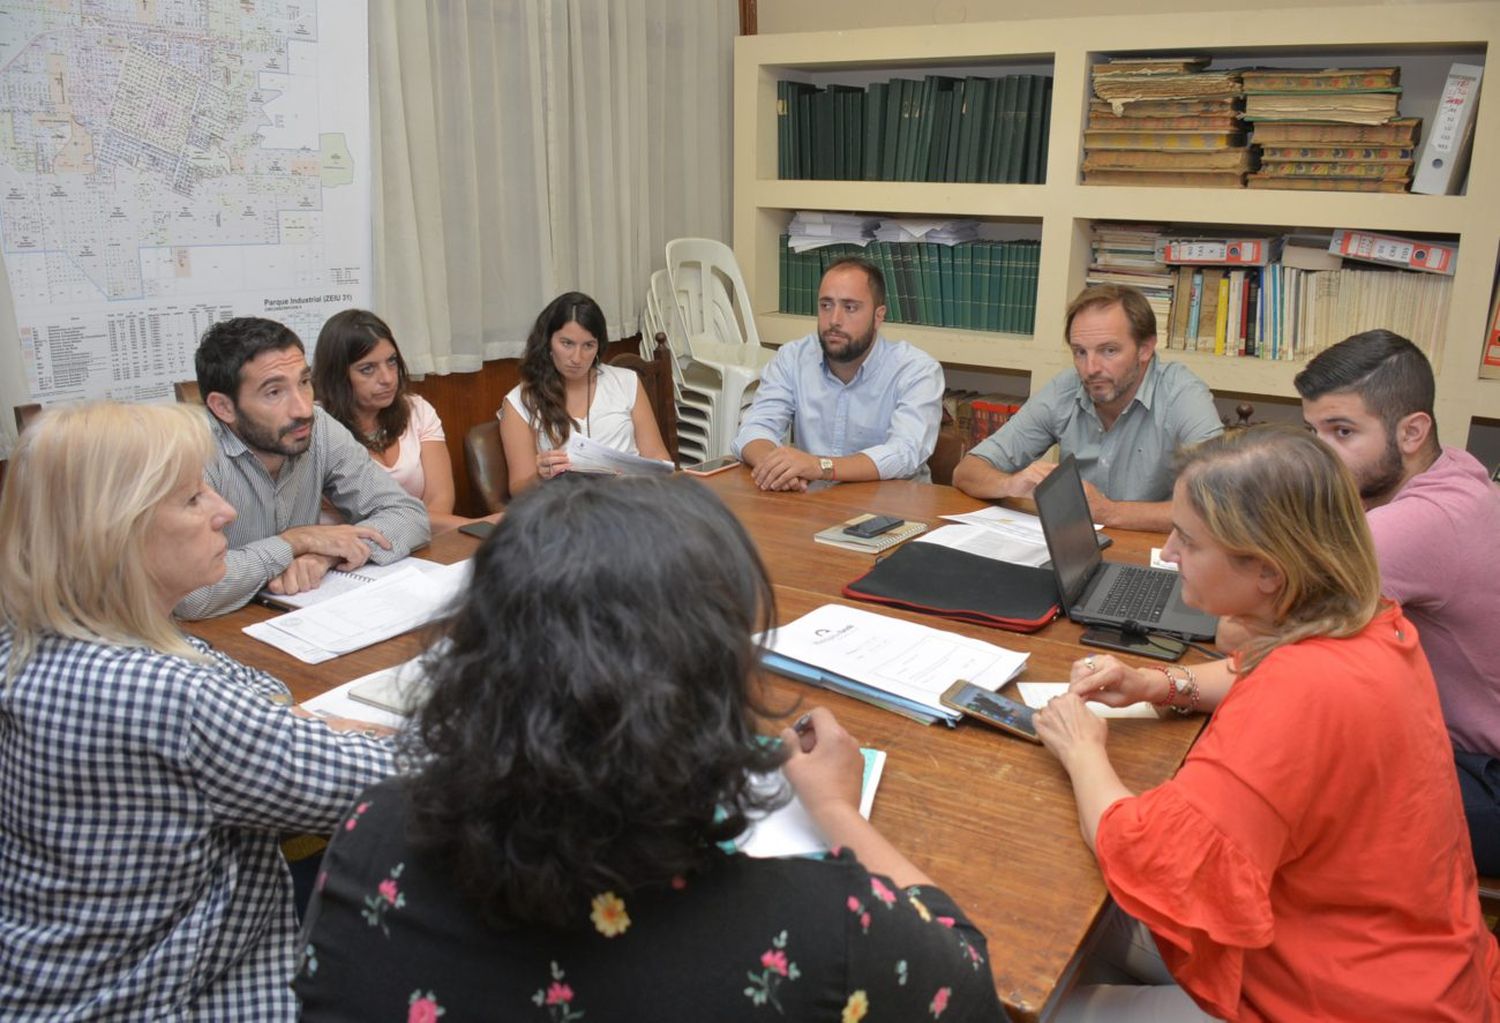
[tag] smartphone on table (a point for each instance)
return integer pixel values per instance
(711, 466)
(874, 526)
(993, 709)
(1163, 648)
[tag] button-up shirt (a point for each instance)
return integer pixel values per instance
(141, 799)
(1132, 460)
(889, 412)
(334, 464)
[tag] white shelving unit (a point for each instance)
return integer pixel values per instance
(1422, 40)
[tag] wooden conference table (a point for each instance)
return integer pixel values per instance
(990, 818)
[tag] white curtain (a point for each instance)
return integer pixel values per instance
(530, 147)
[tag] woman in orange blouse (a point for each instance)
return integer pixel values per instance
(1310, 859)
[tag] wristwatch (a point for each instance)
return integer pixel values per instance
(826, 465)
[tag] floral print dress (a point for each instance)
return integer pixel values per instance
(388, 937)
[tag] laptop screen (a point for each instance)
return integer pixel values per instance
(1064, 511)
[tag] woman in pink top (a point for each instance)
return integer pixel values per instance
(360, 379)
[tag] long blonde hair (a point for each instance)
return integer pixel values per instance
(79, 499)
(1278, 494)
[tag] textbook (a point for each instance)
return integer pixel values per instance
(834, 536)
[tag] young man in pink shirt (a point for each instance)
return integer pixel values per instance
(1435, 517)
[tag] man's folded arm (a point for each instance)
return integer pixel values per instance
(365, 495)
(248, 569)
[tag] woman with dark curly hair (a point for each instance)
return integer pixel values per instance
(360, 379)
(587, 748)
(565, 387)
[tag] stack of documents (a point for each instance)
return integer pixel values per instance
(588, 455)
(337, 583)
(895, 664)
(813, 230)
(938, 232)
(366, 614)
(997, 533)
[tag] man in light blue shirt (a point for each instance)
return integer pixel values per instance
(1122, 413)
(861, 407)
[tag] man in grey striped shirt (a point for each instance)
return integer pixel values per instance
(278, 456)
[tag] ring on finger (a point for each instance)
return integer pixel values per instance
(1088, 662)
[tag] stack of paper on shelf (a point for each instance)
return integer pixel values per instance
(810, 229)
(1126, 254)
(1327, 130)
(1164, 122)
(888, 662)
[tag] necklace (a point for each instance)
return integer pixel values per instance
(377, 440)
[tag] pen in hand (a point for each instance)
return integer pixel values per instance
(806, 737)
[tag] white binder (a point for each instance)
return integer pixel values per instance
(1445, 157)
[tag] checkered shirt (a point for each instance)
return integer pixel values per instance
(141, 799)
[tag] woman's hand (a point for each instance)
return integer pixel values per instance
(1067, 727)
(824, 766)
(1103, 679)
(552, 463)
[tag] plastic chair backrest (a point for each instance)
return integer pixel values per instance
(711, 291)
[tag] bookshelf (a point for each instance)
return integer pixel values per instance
(1423, 40)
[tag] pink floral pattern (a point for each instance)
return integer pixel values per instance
(939, 1001)
(424, 1008)
(388, 896)
(359, 811)
(557, 998)
(776, 969)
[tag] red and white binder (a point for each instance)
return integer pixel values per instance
(1216, 251)
(1408, 253)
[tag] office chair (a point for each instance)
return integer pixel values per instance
(485, 458)
(656, 381)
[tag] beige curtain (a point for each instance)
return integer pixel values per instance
(528, 147)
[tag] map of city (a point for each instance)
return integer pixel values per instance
(165, 164)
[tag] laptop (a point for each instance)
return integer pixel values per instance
(1096, 592)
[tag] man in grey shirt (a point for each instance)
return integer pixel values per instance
(1119, 411)
(277, 457)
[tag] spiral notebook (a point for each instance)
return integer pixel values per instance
(834, 536)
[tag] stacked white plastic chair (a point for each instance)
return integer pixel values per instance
(694, 407)
(723, 349)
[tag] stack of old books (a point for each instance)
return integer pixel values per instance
(1126, 254)
(1336, 130)
(1164, 121)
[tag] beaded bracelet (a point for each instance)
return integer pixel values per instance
(1188, 688)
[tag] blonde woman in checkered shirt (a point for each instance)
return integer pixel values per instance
(144, 777)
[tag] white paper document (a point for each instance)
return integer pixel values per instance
(1036, 695)
(790, 831)
(337, 583)
(910, 660)
(588, 455)
(988, 543)
(368, 614)
(1021, 525)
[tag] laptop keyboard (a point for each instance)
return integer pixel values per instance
(1138, 595)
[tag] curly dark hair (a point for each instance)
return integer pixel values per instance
(542, 392)
(347, 337)
(590, 725)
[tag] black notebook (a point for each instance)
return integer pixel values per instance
(940, 580)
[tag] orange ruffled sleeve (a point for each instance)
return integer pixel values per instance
(1199, 891)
